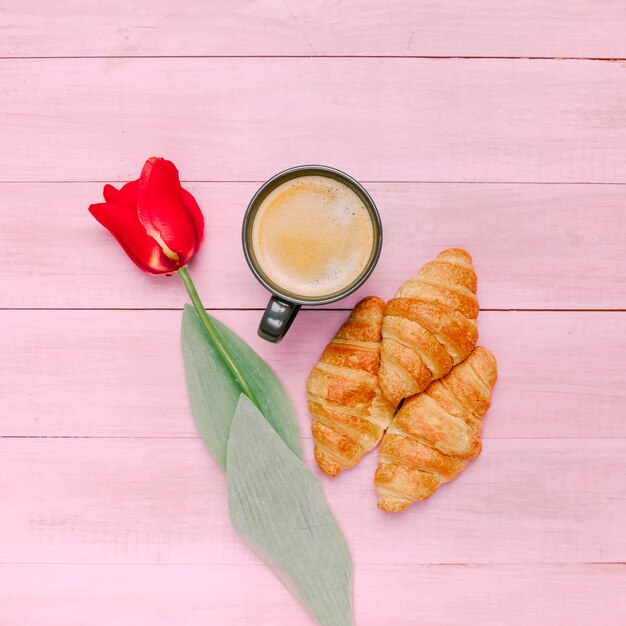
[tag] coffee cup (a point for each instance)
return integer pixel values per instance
(311, 235)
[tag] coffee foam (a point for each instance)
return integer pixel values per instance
(312, 236)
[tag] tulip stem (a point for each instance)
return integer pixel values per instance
(215, 337)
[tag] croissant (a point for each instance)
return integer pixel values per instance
(435, 433)
(348, 409)
(429, 326)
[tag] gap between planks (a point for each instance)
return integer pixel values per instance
(303, 437)
(364, 181)
(237, 564)
(259, 309)
(434, 57)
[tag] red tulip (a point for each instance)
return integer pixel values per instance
(157, 222)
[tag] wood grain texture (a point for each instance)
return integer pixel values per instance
(534, 246)
(458, 595)
(164, 501)
(396, 27)
(560, 374)
(378, 119)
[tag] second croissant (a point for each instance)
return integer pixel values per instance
(429, 326)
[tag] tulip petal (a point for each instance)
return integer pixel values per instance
(124, 225)
(161, 210)
(196, 215)
(126, 196)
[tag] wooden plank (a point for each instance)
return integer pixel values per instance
(534, 246)
(161, 595)
(560, 374)
(396, 27)
(379, 119)
(164, 501)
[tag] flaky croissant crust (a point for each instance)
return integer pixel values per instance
(435, 433)
(348, 410)
(429, 326)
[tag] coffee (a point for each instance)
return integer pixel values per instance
(312, 236)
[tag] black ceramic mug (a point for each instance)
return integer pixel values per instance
(284, 305)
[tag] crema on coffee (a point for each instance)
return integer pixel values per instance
(312, 236)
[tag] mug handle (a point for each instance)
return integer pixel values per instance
(277, 318)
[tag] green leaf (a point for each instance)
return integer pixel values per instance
(278, 507)
(213, 391)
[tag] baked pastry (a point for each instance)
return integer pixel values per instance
(348, 409)
(435, 433)
(429, 326)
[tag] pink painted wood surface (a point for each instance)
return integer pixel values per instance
(162, 595)
(368, 27)
(561, 374)
(534, 246)
(243, 119)
(112, 511)
(164, 501)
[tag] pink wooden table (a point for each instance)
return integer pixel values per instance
(498, 128)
